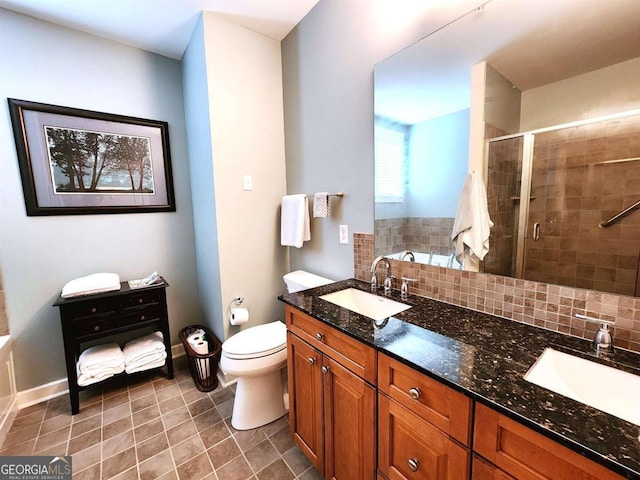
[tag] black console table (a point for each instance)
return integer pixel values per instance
(92, 317)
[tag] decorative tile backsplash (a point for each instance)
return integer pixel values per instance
(548, 306)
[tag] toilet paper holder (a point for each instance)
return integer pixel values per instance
(236, 301)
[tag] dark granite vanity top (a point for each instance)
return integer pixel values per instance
(486, 358)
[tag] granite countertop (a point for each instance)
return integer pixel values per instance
(486, 358)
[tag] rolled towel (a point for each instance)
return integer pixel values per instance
(146, 363)
(106, 357)
(91, 284)
(142, 347)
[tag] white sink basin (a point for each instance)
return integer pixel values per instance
(605, 388)
(366, 304)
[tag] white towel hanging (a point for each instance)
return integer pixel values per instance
(294, 220)
(472, 225)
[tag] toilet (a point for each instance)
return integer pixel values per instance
(256, 356)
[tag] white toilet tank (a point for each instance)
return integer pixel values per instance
(301, 280)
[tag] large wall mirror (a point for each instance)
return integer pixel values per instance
(544, 99)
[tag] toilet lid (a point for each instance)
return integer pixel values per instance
(257, 341)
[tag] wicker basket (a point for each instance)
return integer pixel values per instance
(203, 367)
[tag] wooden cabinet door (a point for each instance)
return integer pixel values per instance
(350, 424)
(305, 399)
(411, 448)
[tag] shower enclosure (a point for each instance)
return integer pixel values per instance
(563, 202)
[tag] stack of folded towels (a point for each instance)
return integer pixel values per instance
(99, 363)
(144, 353)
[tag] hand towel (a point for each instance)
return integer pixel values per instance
(91, 284)
(99, 358)
(85, 379)
(142, 347)
(472, 225)
(294, 221)
(321, 205)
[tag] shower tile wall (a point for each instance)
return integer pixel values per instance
(548, 306)
(575, 190)
(425, 235)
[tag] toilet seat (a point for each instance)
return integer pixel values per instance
(255, 342)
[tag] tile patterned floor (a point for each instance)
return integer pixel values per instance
(148, 427)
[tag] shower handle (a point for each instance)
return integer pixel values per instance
(536, 232)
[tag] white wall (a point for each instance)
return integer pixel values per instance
(244, 90)
(601, 92)
(328, 64)
(46, 63)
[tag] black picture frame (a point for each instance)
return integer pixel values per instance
(81, 162)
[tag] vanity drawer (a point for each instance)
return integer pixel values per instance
(443, 407)
(412, 448)
(528, 455)
(349, 352)
(88, 326)
(95, 307)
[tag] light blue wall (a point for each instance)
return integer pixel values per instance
(196, 103)
(438, 165)
(328, 64)
(46, 63)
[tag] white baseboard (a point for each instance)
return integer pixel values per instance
(60, 387)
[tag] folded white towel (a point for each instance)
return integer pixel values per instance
(472, 225)
(87, 379)
(294, 220)
(91, 284)
(321, 205)
(106, 357)
(151, 361)
(142, 347)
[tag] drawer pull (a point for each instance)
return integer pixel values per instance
(312, 360)
(94, 310)
(96, 328)
(325, 369)
(319, 336)
(413, 464)
(141, 318)
(140, 300)
(415, 393)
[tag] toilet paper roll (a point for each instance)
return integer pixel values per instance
(202, 347)
(239, 316)
(196, 336)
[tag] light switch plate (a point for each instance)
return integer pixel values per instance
(247, 182)
(344, 234)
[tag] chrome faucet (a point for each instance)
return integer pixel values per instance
(374, 273)
(603, 341)
(408, 253)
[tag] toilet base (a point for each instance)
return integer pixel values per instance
(253, 411)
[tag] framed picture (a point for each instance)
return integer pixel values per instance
(75, 162)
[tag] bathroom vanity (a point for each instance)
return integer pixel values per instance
(438, 392)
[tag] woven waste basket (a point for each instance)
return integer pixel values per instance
(203, 355)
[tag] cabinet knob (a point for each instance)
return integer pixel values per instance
(94, 310)
(319, 336)
(325, 369)
(140, 300)
(96, 328)
(312, 360)
(142, 318)
(413, 464)
(415, 393)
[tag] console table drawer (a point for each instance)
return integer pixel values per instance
(106, 323)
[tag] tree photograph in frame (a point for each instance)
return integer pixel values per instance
(75, 162)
